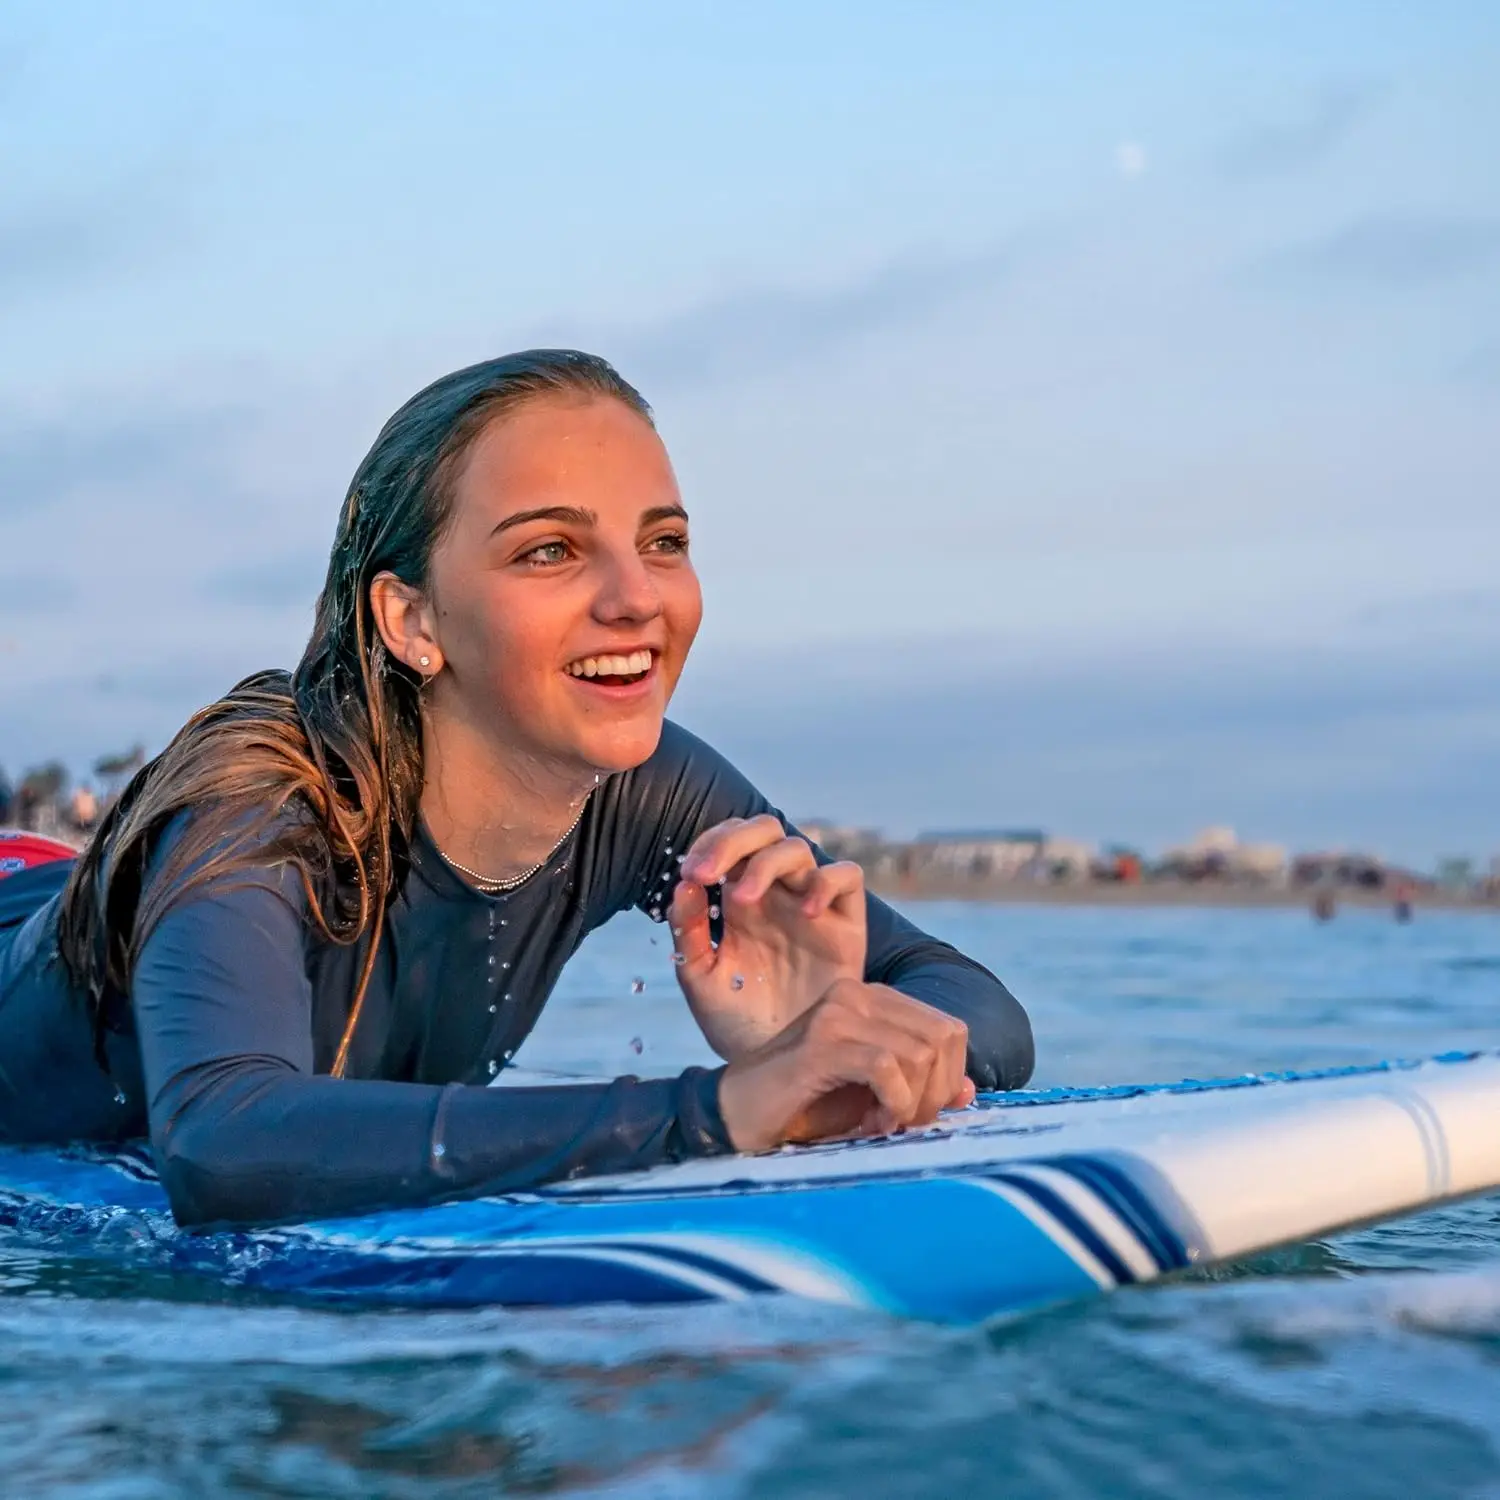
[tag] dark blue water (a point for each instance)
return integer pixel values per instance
(1365, 1366)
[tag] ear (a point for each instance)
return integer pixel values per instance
(403, 616)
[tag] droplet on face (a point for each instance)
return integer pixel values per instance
(736, 981)
(637, 1045)
(637, 986)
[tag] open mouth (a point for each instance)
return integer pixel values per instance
(614, 671)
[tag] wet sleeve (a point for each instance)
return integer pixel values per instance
(687, 787)
(245, 1133)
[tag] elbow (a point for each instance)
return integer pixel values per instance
(1006, 1057)
(195, 1167)
(206, 1150)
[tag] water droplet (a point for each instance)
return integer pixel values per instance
(637, 986)
(637, 1045)
(491, 960)
(510, 1052)
(504, 923)
(506, 995)
(736, 981)
(669, 849)
(493, 1008)
(679, 958)
(119, 1095)
(494, 1067)
(506, 964)
(681, 858)
(656, 914)
(713, 912)
(439, 1149)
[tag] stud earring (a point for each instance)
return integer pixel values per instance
(424, 661)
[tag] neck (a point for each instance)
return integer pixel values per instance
(498, 812)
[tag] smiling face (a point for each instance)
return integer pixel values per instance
(561, 599)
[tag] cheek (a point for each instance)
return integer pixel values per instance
(506, 643)
(682, 602)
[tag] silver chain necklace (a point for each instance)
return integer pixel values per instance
(493, 887)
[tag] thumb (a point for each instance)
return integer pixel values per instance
(688, 915)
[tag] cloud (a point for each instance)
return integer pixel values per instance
(56, 244)
(1394, 251)
(1382, 745)
(44, 462)
(271, 583)
(1130, 159)
(1481, 366)
(1273, 150)
(770, 328)
(24, 592)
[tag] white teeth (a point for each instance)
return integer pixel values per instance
(612, 666)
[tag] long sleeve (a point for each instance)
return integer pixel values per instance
(687, 787)
(244, 1133)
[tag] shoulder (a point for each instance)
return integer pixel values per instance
(208, 853)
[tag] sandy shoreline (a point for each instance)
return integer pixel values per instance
(1163, 894)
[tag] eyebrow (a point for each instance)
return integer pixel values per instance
(574, 515)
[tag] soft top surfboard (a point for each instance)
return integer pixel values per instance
(1023, 1200)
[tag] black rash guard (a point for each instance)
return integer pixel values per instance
(222, 1050)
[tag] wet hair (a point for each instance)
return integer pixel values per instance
(337, 743)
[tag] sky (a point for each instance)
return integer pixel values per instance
(1090, 414)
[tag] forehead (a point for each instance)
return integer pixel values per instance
(597, 454)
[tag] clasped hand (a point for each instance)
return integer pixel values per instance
(813, 1050)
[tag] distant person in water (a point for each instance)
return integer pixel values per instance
(332, 909)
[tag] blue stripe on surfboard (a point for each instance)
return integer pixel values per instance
(1130, 1203)
(1065, 1214)
(727, 1271)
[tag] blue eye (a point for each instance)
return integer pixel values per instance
(547, 553)
(670, 542)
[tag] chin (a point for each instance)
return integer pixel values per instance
(620, 747)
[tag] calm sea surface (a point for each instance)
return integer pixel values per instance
(1368, 1365)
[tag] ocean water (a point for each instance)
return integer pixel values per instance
(1365, 1365)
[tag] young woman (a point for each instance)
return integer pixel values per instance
(330, 911)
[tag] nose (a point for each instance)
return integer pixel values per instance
(626, 593)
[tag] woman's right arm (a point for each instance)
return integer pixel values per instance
(245, 1133)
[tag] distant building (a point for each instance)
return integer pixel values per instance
(978, 854)
(1217, 854)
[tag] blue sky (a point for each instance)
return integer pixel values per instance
(1121, 384)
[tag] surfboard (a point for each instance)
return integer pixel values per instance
(1022, 1201)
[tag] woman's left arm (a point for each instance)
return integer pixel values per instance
(900, 954)
(687, 788)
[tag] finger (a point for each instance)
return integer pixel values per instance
(834, 886)
(965, 1096)
(693, 948)
(789, 861)
(938, 1037)
(715, 853)
(879, 1069)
